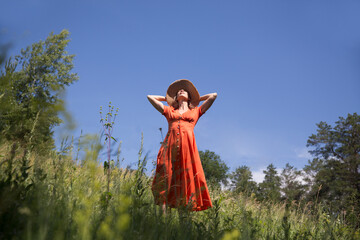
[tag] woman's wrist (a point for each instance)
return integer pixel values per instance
(156, 98)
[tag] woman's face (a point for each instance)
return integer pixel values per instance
(182, 94)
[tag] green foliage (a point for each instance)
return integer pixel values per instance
(15, 188)
(3, 51)
(333, 176)
(31, 85)
(140, 180)
(269, 189)
(64, 200)
(292, 187)
(214, 215)
(108, 127)
(241, 181)
(214, 168)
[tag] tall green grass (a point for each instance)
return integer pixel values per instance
(65, 197)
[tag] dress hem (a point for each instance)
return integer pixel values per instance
(196, 209)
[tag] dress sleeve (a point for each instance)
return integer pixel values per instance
(200, 113)
(166, 111)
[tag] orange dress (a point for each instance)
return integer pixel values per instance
(179, 177)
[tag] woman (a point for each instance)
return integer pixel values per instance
(179, 178)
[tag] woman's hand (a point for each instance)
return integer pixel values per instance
(156, 101)
(209, 99)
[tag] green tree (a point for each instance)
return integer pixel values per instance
(214, 168)
(3, 50)
(269, 189)
(31, 86)
(335, 170)
(292, 187)
(241, 181)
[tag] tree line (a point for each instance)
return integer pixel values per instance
(331, 177)
(276, 186)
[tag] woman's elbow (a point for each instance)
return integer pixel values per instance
(214, 95)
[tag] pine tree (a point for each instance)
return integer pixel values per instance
(292, 187)
(269, 189)
(241, 181)
(335, 170)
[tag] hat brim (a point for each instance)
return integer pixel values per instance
(187, 86)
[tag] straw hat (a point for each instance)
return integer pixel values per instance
(187, 86)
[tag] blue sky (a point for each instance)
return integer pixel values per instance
(279, 67)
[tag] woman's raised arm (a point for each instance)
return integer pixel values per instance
(156, 101)
(209, 99)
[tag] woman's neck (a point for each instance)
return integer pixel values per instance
(183, 105)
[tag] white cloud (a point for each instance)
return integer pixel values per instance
(302, 153)
(258, 176)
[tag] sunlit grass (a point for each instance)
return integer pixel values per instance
(61, 198)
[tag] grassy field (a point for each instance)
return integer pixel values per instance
(62, 197)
